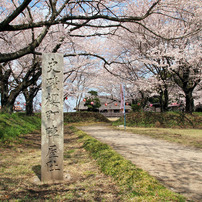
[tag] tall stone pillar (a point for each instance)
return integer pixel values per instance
(52, 130)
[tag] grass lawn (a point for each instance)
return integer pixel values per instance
(93, 171)
(20, 173)
(188, 137)
(86, 178)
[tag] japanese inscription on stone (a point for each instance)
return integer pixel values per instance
(52, 118)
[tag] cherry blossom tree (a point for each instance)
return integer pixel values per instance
(32, 27)
(176, 60)
(18, 19)
(185, 65)
(11, 85)
(79, 75)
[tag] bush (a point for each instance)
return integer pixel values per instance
(136, 107)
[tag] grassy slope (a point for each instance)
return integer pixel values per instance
(163, 120)
(13, 125)
(75, 117)
(16, 124)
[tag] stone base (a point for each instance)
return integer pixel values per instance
(35, 180)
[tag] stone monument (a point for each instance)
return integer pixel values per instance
(52, 130)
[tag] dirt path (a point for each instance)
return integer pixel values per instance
(178, 168)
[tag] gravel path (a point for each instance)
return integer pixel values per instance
(179, 168)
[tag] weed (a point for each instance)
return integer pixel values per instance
(89, 173)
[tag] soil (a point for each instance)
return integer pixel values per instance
(177, 167)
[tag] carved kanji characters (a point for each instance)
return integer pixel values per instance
(52, 158)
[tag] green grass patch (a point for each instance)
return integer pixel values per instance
(13, 125)
(188, 137)
(67, 154)
(163, 120)
(138, 184)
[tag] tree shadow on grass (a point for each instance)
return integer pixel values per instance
(37, 170)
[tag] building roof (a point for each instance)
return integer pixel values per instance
(16, 108)
(106, 104)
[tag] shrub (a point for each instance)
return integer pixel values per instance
(136, 107)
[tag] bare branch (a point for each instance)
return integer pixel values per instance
(71, 18)
(27, 50)
(15, 13)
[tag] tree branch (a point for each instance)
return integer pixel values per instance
(24, 51)
(71, 18)
(10, 18)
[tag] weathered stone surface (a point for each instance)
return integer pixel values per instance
(52, 118)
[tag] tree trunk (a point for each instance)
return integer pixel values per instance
(29, 107)
(161, 100)
(29, 95)
(185, 81)
(189, 102)
(7, 108)
(7, 102)
(165, 104)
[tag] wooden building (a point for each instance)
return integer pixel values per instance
(109, 107)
